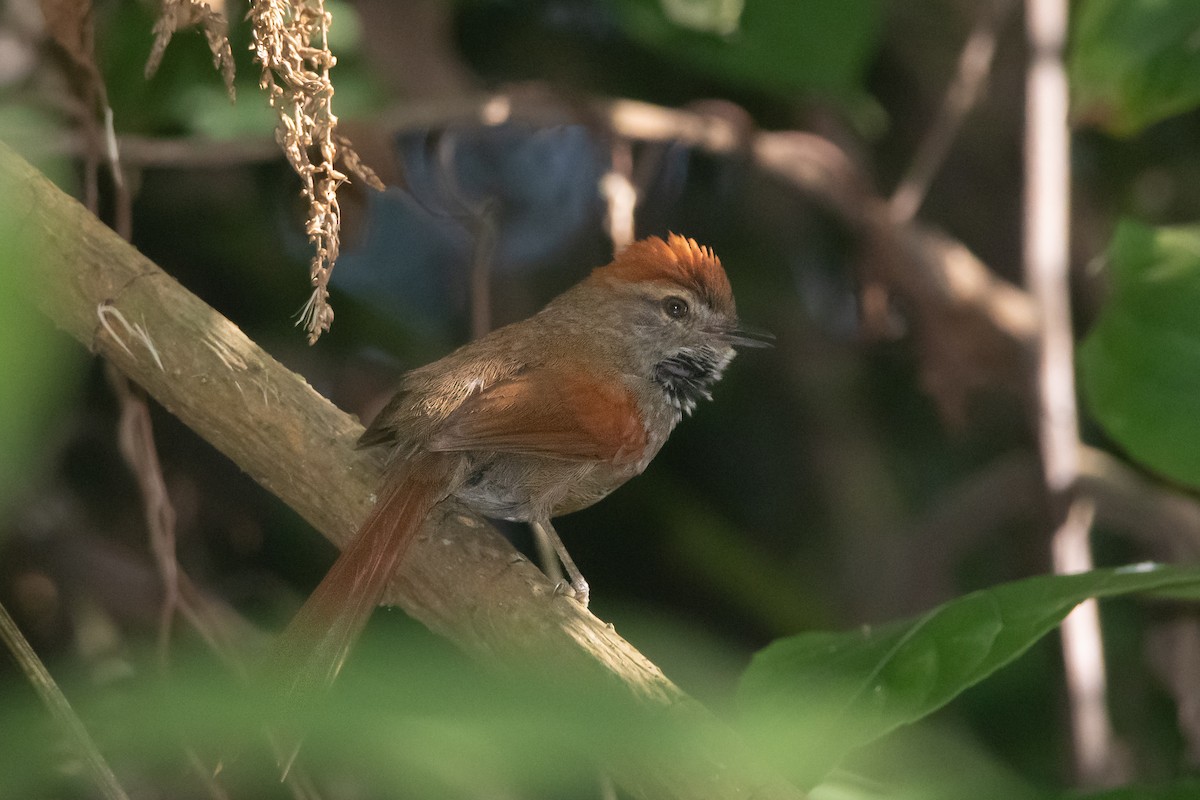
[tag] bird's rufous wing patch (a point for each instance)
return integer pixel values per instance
(546, 413)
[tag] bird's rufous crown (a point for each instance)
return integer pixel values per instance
(677, 260)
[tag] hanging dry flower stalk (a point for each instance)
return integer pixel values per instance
(175, 15)
(291, 43)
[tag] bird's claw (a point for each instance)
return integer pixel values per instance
(579, 592)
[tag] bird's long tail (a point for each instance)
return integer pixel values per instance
(308, 655)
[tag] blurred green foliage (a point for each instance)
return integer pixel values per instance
(38, 366)
(771, 45)
(410, 713)
(1140, 364)
(1133, 62)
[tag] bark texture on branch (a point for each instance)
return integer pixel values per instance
(461, 578)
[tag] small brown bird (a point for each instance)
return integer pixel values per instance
(536, 419)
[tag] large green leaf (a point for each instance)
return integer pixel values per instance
(816, 696)
(772, 45)
(1134, 62)
(1140, 364)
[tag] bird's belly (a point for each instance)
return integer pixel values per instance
(524, 488)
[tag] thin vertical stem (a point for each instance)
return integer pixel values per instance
(1046, 252)
(43, 683)
(964, 91)
(486, 228)
(620, 196)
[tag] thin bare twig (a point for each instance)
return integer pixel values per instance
(1047, 226)
(71, 26)
(122, 199)
(620, 196)
(486, 230)
(974, 66)
(1173, 648)
(44, 684)
(135, 437)
(136, 442)
(151, 152)
(1166, 520)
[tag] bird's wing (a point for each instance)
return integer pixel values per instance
(552, 413)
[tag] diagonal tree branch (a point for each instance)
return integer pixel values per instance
(462, 579)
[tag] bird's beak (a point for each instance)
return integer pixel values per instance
(745, 336)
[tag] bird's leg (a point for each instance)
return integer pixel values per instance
(547, 556)
(547, 538)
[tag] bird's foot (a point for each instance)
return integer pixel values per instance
(579, 591)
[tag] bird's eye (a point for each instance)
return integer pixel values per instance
(676, 307)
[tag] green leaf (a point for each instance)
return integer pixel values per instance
(1134, 62)
(773, 45)
(814, 697)
(1140, 364)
